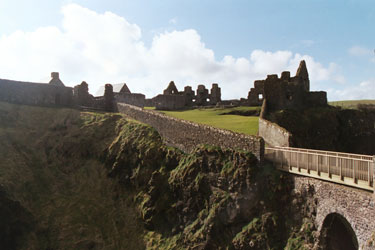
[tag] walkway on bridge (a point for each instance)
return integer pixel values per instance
(343, 168)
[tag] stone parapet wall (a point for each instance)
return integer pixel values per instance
(187, 135)
(131, 98)
(273, 134)
(355, 205)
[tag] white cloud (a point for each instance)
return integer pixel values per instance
(102, 48)
(364, 90)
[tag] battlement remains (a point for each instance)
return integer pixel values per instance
(172, 99)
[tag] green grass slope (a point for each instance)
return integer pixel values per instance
(352, 104)
(217, 117)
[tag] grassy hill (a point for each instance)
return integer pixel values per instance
(221, 118)
(351, 104)
(83, 180)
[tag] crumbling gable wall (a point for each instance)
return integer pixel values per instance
(125, 96)
(56, 79)
(171, 89)
(124, 89)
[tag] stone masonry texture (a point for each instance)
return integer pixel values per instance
(355, 205)
(187, 135)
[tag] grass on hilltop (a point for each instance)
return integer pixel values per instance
(215, 117)
(351, 104)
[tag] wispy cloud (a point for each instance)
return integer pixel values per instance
(363, 90)
(307, 43)
(173, 20)
(360, 51)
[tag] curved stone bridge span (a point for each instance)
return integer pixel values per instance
(345, 203)
(356, 206)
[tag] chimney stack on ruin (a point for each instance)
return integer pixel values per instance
(56, 79)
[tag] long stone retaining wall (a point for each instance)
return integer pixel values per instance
(187, 135)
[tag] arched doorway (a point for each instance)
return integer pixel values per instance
(337, 234)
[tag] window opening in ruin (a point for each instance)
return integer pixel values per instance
(208, 100)
(260, 97)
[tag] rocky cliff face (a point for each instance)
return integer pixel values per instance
(99, 181)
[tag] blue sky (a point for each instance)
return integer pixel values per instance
(148, 43)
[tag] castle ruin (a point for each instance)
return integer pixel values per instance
(286, 92)
(55, 93)
(125, 96)
(172, 99)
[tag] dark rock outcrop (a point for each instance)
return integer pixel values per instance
(16, 222)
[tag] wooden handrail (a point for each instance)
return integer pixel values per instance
(368, 157)
(327, 165)
(311, 153)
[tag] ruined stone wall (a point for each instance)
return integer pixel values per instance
(357, 206)
(132, 99)
(29, 93)
(316, 99)
(149, 102)
(287, 92)
(169, 102)
(187, 135)
(273, 134)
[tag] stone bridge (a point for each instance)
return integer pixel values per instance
(341, 186)
(345, 216)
